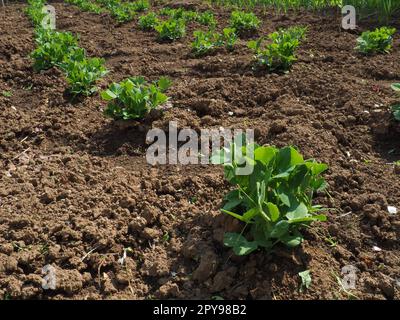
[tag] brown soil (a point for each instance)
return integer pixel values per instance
(75, 189)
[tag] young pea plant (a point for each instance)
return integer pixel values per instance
(190, 16)
(207, 19)
(134, 98)
(82, 72)
(53, 47)
(204, 42)
(124, 11)
(171, 29)
(34, 11)
(377, 41)
(396, 107)
(179, 13)
(121, 15)
(229, 37)
(138, 5)
(86, 5)
(148, 21)
(279, 54)
(244, 22)
(274, 200)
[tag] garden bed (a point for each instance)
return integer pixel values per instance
(75, 189)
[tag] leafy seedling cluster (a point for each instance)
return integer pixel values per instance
(171, 29)
(275, 200)
(377, 41)
(205, 42)
(52, 48)
(61, 50)
(279, 53)
(124, 11)
(34, 11)
(82, 72)
(86, 5)
(244, 22)
(148, 21)
(134, 98)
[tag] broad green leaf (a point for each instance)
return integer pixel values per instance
(280, 229)
(292, 241)
(396, 86)
(298, 212)
(233, 199)
(164, 83)
(305, 277)
(232, 204)
(288, 157)
(396, 111)
(108, 95)
(250, 214)
(239, 244)
(298, 176)
(264, 154)
(318, 184)
(273, 211)
(260, 236)
(318, 168)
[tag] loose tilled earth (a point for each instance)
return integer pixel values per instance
(75, 189)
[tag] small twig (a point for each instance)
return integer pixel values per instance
(84, 257)
(345, 214)
(23, 152)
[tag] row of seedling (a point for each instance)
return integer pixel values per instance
(170, 24)
(61, 50)
(131, 99)
(174, 27)
(121, 11)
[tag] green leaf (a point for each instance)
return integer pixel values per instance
(280, 229)
(318, 168)
(273, 211)
(320, 217)
(292, 241)
(235, 215)
(164, 83)
(396, 86)
(305, 277)
(284, 198)
(239, 244)
(298, 176)
(297, 212)
(262, 238)
(264, 154)
(232, 204)
(108, 95)
(233, 199)
(396, 111)
(318, 184)
(250, 214)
